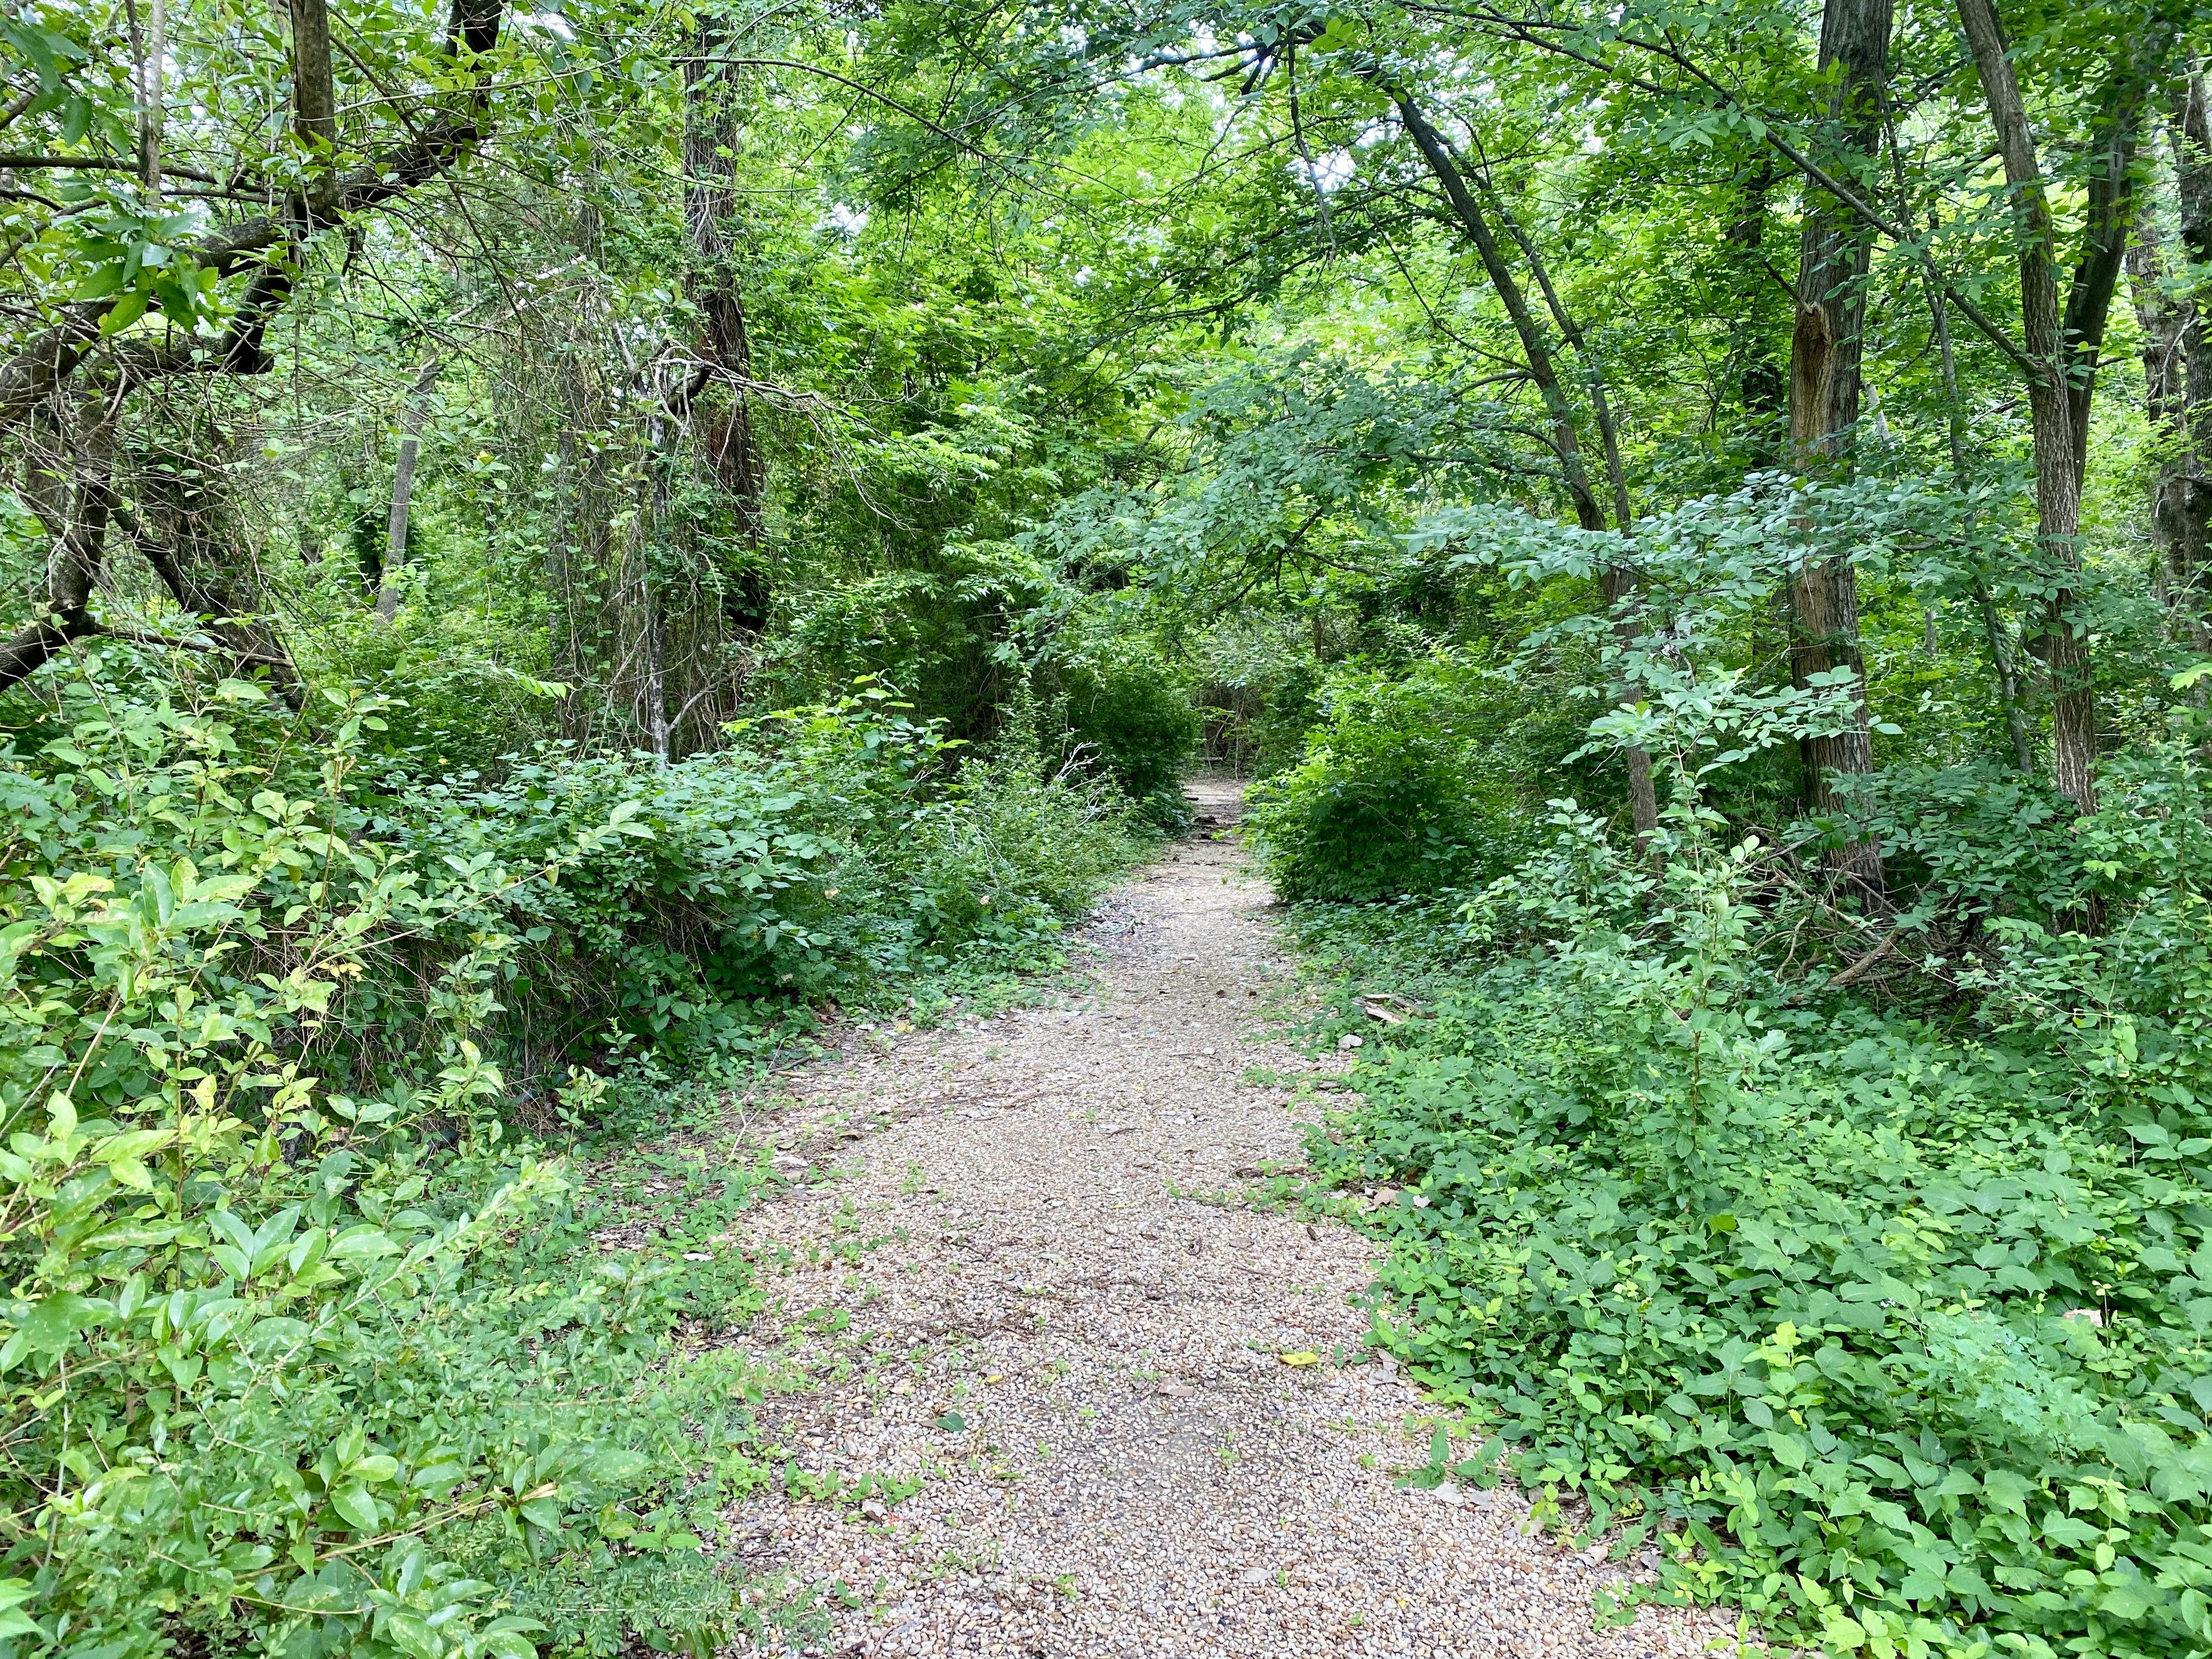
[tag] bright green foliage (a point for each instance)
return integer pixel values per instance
(254, 1370)
(1893, 1331)
(826, 853)
(1402, 790)
(1025, 375)
(299, 1350)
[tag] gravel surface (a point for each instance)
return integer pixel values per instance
(1013, 1310)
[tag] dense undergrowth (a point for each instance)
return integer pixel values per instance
(1885, 1308)
(311, 1349)
(1415, 405)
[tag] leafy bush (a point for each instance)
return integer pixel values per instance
(1398, 792)
(830, 851)
(1971, 841)
(460, 690)
(954, 633)
(299, 1352)
(1129, 711)
(1892, 1332)
(259, 1364)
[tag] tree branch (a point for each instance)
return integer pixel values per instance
(1531, 34)
(51, 357)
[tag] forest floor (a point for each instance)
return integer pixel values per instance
(1020, 1272)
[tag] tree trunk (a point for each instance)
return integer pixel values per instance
(151, 52)
(1536, 349)
(1615, 583)
(710, 140)
(2111, 208)
(2178, 375)
(1825, 352)
(656, 672)
(2064, 651)
(314, 99)
(1613, 578)
(402, 492)
(77, 490)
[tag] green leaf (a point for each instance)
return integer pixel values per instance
(2007, 1490)
(410, 1635)
(125, 311)
(355, 1508)
(14, 1592)
(51, 1327)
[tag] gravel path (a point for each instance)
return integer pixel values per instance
(1014, 1311)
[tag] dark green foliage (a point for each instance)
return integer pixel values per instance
(1975, 840)
(953, 636)
(1891, 1329)
(1127, 715)
(1398, 792)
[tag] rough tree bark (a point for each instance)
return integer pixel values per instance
(314, 96)
(710, 140)
(2061, 644)
(2177, 367)
(1825, 349)
(151, 51)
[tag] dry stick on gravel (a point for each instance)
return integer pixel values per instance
(1134, 1470)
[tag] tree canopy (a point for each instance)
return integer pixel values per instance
(548, 551)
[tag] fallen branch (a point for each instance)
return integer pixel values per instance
(1888, 943)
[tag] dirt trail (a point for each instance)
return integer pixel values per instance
(1087, 1367)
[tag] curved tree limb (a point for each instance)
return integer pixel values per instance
(51, 357)
(269, 246)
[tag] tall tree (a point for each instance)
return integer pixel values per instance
(2177, 364)
(2060, 347)
(1616, 578)
(1825, 352)
(710, 145)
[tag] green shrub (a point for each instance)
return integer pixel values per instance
(265, 1351)
(953, 633)
(1892, 1330)
(832, 852)
(461, 690)
(1399, 790)
(1971, 842)
(299, 1351)
(1128, 714)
